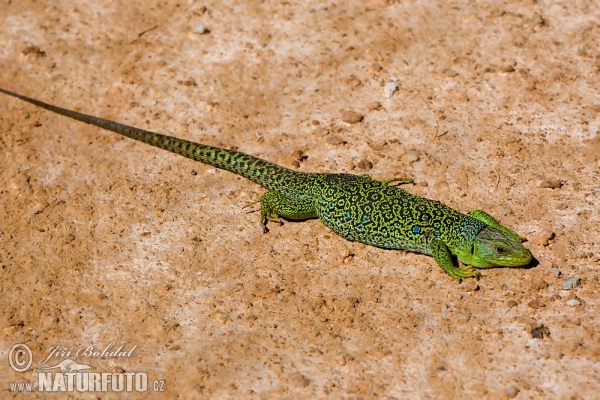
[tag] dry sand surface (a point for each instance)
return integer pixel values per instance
(494, 106)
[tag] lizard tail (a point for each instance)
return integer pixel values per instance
(267, 174)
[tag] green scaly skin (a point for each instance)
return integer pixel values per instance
(356, 207)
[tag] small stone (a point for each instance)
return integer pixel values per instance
(118, 369)
(512, 303)
(544, 237)
(314, 122)
(508, 68)
(389, 89)
(201, 29)
(511, 391)
(562, 206)
(320, 131)
(335, 140)
(299, 379)
(471, 286)
(374, 105)
(538, 284)
(412, 156)
(340, 359)
(535, 304)
(377, 145)
(573, 303)
(444, 308)
(551, 184)
(570, 283)
(194, 173)
(536, 21)
(30, 49)
(540, 332)
(450, 72)
(555, 271)
(351, 117)
(365, 164)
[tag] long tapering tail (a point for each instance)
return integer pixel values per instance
(269, 175)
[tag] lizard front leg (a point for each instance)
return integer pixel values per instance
(442, 255)
(274, 205)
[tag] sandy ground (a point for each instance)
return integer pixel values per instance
(104, 240)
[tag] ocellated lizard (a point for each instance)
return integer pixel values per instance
(356, 207)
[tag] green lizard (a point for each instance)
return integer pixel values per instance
(356, 207)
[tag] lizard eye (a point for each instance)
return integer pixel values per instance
(500, 250)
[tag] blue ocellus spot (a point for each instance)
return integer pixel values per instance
(416, 229)
(320, 200)
(437, 233)
(359, 226)
(330, 205)
(347, 215)
(366, 218)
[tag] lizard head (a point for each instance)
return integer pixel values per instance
(495, 248)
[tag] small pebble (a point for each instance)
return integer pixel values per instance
(538, 284)
(365, 164)
(570, 283)
(535, 304)
(194, 173)
(450, 72)
(315, 122)
(335, 140)
(351, 117)
(555, 271)
(374, 105)
(200, 29)
(511, 391)
(320, 131)
(598, 187)
(536, 21)
(389, 89)
(512, 303)
(444, 308)
(573, 303)
(30, 49)
(377, 145)
(540, 332)
(412, 156)
(551, 184)
(471, 286)
(544, 237)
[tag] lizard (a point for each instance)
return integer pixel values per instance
(356, 207)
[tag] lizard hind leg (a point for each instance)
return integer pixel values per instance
(274, 205)
(488, 219)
